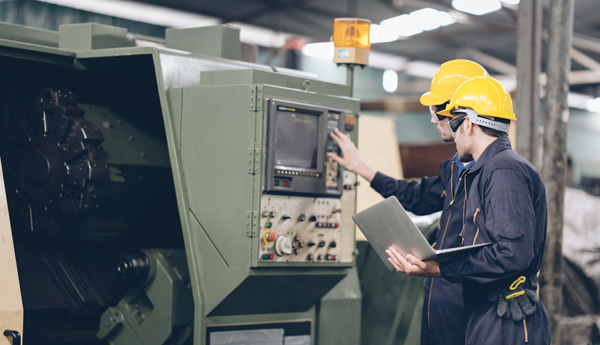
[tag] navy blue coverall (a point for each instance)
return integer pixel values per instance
(443, 320)
(506, 205)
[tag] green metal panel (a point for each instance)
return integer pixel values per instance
(339, 313)
(255, 76)
(88, 36)
(161, 312)
(217, 40)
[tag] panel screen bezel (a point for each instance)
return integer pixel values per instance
(303, 181)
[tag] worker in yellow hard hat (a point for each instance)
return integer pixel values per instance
(505, 208)
(443, 312)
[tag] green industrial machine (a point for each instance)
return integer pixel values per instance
(175, 194)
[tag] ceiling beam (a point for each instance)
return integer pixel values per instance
(490, 61)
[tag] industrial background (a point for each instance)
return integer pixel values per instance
(154, 185)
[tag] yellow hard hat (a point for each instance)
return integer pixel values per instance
(485, 95)
(450, 76)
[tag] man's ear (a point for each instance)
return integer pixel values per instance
(468, 125)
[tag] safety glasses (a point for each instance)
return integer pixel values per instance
(433, 109)
(456, 121)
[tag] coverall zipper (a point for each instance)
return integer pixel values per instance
(445, 229)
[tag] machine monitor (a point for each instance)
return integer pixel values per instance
(296, 147)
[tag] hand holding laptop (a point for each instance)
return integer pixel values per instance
(413, 266)
(387, 225)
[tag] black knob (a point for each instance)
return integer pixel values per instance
(311, 243)
(313, 218)
(134, 267)
(285, 216)
(333, 244)
(309, 257)
(302, 218)
(300, 244)
(321, 244)
(296, 251)
(296, 238)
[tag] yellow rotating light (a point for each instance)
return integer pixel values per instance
(351, 40)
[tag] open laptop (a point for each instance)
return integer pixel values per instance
(387, 224)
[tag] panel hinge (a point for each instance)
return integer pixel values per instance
(251, 224)
(254, 161)
(256, 98)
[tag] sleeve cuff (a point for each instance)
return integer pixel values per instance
(378, 181)
(450, 270)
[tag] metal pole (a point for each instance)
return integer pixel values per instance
(350, 78)
(529, 60)
(555, 157)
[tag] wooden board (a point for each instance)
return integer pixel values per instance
(378, 146)
(11, 305)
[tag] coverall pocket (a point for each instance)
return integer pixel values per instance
(509, 217)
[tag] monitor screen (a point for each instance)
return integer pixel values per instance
(296, 139)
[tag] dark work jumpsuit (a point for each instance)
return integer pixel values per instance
(506, 205)
(443, 312)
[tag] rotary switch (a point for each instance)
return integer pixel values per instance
(283, 246)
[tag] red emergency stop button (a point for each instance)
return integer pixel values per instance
(269, 236)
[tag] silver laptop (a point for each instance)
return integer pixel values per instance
(387, 224)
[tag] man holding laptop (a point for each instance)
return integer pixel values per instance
(506, 205)
(443, 313)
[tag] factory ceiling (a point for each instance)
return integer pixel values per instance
(493, 34)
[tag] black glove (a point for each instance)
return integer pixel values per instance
(514, 300)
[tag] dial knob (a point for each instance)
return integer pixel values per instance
(313, 218)
(311, 243)
(333, 244)
(285, 216)
(283, 246)
(302, 218)
(273, 214)
(321, 244)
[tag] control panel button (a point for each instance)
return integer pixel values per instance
(330, 257)
(312, 218)
(269, 236)
(272, 214)
(285, 216)
(302, 218)
(320, 257)
(300, 244)
(296, 238)
(268, 257)
(321, 244)
(283, 246)
(296, 251)
(309, 257)
(269, 225)
(327, 225)
(265, 214)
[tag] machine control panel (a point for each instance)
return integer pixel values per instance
(309, 230)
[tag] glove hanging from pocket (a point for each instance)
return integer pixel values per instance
(514, 301)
